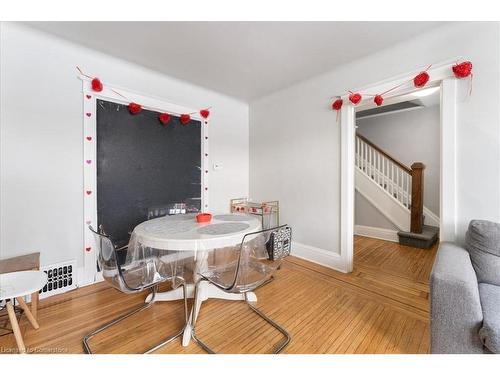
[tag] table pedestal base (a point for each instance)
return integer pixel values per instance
(206, 291)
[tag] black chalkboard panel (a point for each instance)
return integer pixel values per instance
(142, 163)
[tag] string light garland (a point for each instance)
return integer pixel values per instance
(460, 71)
(135, 108)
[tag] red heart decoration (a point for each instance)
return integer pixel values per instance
(164, 118)
(88, 96)
(337, 104)
(88, 161)
(88, 114)
(96, 84)
(89, 192)
(355, 98)
(134, 108)
(378, 100)
(205, 113)
(421, 79)
(87, 249)
(89, 138)
(88, 222)
(463, 69)
(185, 118)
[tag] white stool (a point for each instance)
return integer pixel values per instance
(15, 285)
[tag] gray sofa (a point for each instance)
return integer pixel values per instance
(465, 293)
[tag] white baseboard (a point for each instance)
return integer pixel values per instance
(83, 282)
(431, 218)
(316, 255)
(373, 232)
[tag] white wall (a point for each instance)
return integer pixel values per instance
(410, 136)
(366, 214)
(294, 139)
(41, 138)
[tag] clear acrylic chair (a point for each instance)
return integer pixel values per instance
(133, 272)
(244, 268)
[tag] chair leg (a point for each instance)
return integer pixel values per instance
(15, 327)
(281, 346)
(154, 290)
(287, 339)
(27, 312)
(178, 334)
(194, 316)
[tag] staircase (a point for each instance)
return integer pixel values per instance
(397, 192)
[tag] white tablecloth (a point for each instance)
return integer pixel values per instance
(184, 233)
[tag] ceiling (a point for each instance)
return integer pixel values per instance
(245, 60)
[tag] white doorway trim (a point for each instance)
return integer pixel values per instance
(440, 75)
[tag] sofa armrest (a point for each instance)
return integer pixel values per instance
(456, 314)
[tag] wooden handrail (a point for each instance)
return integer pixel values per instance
(395, 161)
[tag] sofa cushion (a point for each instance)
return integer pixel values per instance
(490, 303)
(482, 241)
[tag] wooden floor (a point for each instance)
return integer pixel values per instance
(382, 307)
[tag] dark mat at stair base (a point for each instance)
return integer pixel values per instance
(422, 240)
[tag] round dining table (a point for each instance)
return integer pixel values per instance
(183, 233)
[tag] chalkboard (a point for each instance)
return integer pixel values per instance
(141, 164)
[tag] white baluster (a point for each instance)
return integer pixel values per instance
(384, 180)
(403, 175)
(397, 185)
(378, 168)
(363, 157)
(357, 152)
(392, 178)
(369, 169)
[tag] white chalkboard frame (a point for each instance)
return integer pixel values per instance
(88, 274)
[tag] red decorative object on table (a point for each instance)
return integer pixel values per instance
(134, 108)
(421, 79)
(204, 218)
(185, 118)
(164, 118)
(96, 84)
(463, 69)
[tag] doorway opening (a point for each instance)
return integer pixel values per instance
(397, 178)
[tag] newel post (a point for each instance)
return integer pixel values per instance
(417, 197)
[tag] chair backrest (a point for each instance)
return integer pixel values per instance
(253, 262)
(138, 271)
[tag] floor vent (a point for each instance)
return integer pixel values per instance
(61, 277)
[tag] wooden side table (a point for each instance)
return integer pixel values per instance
(15, 285)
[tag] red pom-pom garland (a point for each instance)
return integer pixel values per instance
(355, 98)
(462, 70)
(205, 113)
(421, 79)
(134, 108)
(337, 104)
(185, 118)
(164, 118)
(96, 84)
